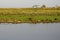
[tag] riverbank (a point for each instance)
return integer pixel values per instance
(29, 15)
(29, 19)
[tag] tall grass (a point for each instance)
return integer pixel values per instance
(30, 14)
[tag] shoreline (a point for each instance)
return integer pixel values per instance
(29, 22)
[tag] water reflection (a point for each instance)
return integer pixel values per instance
(26, 31)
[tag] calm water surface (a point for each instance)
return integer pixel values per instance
(26, 31)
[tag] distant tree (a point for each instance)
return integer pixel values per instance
(43, 6)
(35, 6)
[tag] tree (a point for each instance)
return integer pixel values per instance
(35, 6)
(43, 6)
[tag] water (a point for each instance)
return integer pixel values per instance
(26, 31)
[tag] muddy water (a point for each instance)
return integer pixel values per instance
(26, 31)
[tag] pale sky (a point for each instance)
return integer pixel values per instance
(27, 3)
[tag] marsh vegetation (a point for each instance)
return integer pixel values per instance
(29, 15)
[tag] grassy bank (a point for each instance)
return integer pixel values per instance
(29, 15)
(29, 18)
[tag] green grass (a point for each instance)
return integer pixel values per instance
(47, 17)
(26, 17)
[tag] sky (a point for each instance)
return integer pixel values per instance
(27, 3)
